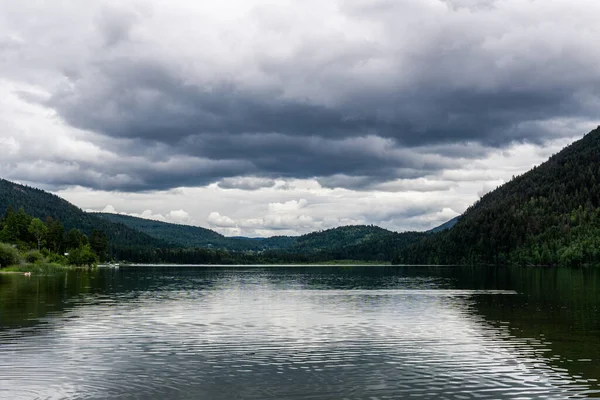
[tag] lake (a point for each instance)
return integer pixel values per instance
(301, 333)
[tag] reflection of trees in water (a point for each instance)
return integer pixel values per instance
(560, 307)
(24, 300)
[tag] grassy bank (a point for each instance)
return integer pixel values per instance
(39, 269)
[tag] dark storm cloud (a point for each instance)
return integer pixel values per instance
(390, 103)
(145, 100)
(304, 157)
(132, 174)
(282, 138)
(142, 100)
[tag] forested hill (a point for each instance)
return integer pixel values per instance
(357, 242)
(41, 204)
(194, 236)
(337, 238)
(549, 215)
(182, 235)
(341, 242)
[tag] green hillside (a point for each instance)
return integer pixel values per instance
(549, 215)
(181, 235)
(326, 242)
(41, 204)
(338, 238)
(194, 236)
(359, 242)
(366, 243)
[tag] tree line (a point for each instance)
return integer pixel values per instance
(47, 240)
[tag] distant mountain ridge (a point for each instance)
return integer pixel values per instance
(181, 235)
(195, 236)
(142, 239)
(337, 238)
(446, 225)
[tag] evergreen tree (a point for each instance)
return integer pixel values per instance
(99, 244)
(75, 239)
(55, 234)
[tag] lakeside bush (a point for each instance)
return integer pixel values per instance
(83, 256)
(54, 258)
(8, 255)
(34, 257)
(44, 261)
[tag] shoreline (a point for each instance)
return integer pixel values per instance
(357, 264)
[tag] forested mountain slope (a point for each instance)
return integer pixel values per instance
(376, 246)
(337, 238)
(549, 215)
(182, 235)
(195, 236)
(359, 242)
(41, 204)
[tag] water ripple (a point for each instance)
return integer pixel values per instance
(270, 341)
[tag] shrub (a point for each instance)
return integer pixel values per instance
(8, 255)
(34, 257)
(56, 258)
(83, 255)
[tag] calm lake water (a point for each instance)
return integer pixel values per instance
(301, 333)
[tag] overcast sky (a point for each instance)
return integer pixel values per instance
(257, 117)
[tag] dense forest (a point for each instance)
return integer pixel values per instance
(359, 242)
(193, 244)
(547, 216)
(28, 240)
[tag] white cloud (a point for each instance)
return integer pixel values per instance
(148, 214)
(178, 215)
(288, 206)
(220, 221)
(109, 209)
(173, 216)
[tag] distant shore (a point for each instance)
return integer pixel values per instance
(342, 263)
